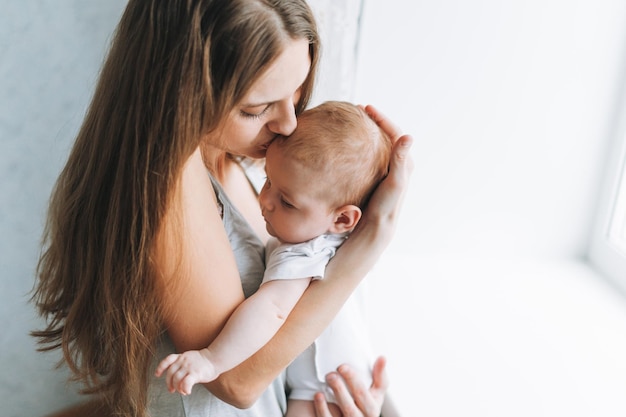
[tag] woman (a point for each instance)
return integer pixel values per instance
(154, 234)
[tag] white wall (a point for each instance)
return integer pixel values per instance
(484, 304)
(511, 103)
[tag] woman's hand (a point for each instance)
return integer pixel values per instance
(353, 397)
(387, 199)
(378, 223)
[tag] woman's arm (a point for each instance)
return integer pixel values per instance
(255, 321)
(323, 299)
(200, 284)
(252, 325)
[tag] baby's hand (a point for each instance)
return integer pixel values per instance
(186, 369)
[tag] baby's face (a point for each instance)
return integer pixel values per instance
(292, 212)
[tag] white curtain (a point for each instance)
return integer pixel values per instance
(339, 27)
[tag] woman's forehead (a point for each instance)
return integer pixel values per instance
(283, 78)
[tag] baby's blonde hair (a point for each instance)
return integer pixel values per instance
(344, 150)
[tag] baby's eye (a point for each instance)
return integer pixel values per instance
(287, 204)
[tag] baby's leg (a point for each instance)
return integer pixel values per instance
(303, 408)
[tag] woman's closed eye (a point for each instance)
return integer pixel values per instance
(254, 112)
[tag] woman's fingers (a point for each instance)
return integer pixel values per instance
(321, 406)
(386, 201)
(380, 381)
(345, 400)
(401, 163)
(367, 402)
(353, 396)
(401, 143)
(385, 124)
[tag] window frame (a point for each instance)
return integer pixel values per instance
(605, 254)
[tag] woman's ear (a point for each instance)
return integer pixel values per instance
(346, 218)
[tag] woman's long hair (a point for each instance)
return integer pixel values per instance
(175, 69)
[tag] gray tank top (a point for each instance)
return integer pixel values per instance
(249, 254)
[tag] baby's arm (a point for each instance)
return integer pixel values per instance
(251, 326)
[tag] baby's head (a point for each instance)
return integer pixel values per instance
(341, 150)
(332, 162)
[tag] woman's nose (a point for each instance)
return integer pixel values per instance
(285, 122)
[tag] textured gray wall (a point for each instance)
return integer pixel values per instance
(50, 54)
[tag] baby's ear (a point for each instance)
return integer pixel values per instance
(346, 218)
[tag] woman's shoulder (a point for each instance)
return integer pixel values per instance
(199, 277)
(195, 176)
(192, 221)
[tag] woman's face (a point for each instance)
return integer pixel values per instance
(268, 108)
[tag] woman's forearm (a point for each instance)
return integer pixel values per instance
(255, 322)
(312, 314)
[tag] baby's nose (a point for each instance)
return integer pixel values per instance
(264, 202)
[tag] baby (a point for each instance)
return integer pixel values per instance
(318, 180)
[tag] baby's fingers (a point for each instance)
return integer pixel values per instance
(175, 374)
(186, 384)
(165, 363)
